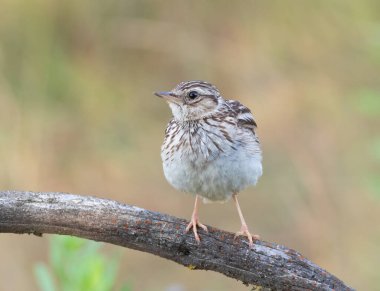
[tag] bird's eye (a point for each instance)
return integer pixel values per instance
(193, 94)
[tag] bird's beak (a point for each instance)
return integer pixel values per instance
(168, 96)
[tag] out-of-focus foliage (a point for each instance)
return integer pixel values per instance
(369, 106)
(77, 114)
(77, 264)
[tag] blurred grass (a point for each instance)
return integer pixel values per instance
(77, 115)
(77, 264)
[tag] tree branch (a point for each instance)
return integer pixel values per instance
(266, 264)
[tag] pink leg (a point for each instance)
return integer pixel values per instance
(194, 222)
(244, 228)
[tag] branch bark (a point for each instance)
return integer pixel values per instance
(267, 264)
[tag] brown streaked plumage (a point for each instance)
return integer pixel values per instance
(210, 147)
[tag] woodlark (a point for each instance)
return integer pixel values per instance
(210, 148)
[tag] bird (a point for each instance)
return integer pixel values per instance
(210, 148)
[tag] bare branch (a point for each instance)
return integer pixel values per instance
(266, 264)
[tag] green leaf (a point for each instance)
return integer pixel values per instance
(78, 264)
(44, 278)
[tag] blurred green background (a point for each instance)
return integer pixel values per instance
(78, 265)
(77, 115)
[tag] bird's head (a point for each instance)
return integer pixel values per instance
(192, 100)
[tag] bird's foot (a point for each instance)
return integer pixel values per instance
(194, 222)
(245, 232)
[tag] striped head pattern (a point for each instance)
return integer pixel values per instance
(192, 100)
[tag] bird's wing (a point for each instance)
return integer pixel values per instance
(244, 116)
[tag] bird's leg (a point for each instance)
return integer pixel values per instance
(244, 228)
(194, 222)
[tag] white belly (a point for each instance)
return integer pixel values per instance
(215, 180)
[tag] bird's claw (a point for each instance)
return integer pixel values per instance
(193, 224)
(245, 232)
